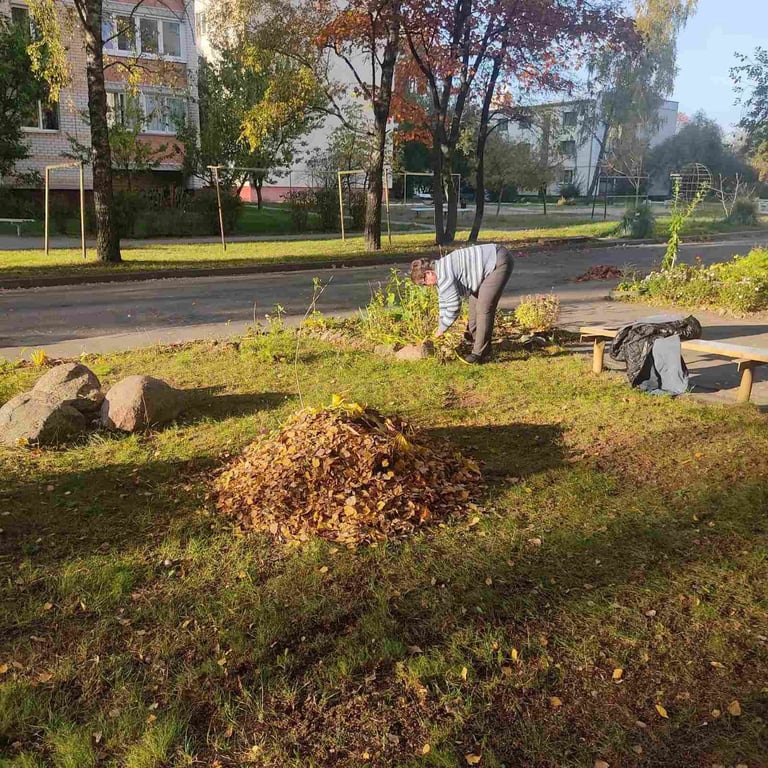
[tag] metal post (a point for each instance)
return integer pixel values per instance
(386, 199)
(341, 206)
(405, 188)
(218, 200)
(47, 196)
(605, 204)
(82, 209)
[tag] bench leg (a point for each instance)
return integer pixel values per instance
(598, 355)
(747, 369)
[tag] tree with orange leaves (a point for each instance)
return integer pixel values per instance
(462, 51)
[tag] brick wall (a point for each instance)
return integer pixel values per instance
(49, 147)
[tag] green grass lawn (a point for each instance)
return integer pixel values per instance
(238, 254)
(611, 603)
(528, 229)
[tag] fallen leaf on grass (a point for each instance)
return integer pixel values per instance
(555, 702)
(662, 711)
(637, 749)
(464, 673)
(734, 708)
(716, 713)
(3, 669)
(514, 654)
(222, 661)
(366, 755)
(425, 749)
(472, 759)
(44, 677)
(617, 673)
(602, 764)
(535, 541)
(48, 606)
(324, 569)
(716, 665)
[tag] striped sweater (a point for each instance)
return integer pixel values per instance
(459, 274)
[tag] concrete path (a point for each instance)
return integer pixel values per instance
(67, 321)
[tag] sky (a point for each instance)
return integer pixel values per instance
(705, 55)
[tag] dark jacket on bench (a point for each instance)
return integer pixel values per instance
(633, 344)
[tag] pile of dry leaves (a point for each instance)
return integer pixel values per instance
(600, 272)
(346, 474)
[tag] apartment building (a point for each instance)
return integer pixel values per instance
(577, 155)
(156, 34)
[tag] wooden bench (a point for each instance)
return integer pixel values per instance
(17, 223)
(746, 358)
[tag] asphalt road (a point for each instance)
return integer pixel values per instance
(69, 320)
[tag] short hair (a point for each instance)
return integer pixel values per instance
(419, 268)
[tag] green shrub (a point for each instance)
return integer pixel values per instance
(745, 211)
(570, 191)
(300, 203)
(400, 312)
(172, 222)
(327, 207)
(126, 207)
(739, 286)
(638, 222)
(20, 204)
(205, 204)
(538, 314)
(357, 199)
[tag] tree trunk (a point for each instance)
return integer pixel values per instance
(498, 202)
(479, 193)
(600, 157)
(107, 236)
(375, 193)
(452, 214)
(544, 199)
(482, 138)
(437, 191)
(258, 185)
(381, 102)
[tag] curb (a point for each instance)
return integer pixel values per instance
(531, 246)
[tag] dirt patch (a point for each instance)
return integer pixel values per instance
(600, 272)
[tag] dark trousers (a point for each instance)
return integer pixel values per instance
(482, 308)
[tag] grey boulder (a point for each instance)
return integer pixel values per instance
(37, 419)
(140, 402)
(415, 352)
(71, 384)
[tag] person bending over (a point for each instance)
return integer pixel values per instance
(480, 273)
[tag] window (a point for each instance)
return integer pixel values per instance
(172, 39)
(163, 114)
(143, 35)
(149, 35)
(201, 24)
(40, 114)
(568, 148)
(569, 120)
(20, 16)
(122, 109)
(567, 177)
(126, 33)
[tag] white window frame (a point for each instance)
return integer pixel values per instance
(136, 50)
(160, 96)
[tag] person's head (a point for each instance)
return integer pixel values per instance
(422, 272)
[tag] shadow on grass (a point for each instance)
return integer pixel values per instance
(509, 450)
(206, 403)
(325, 656)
